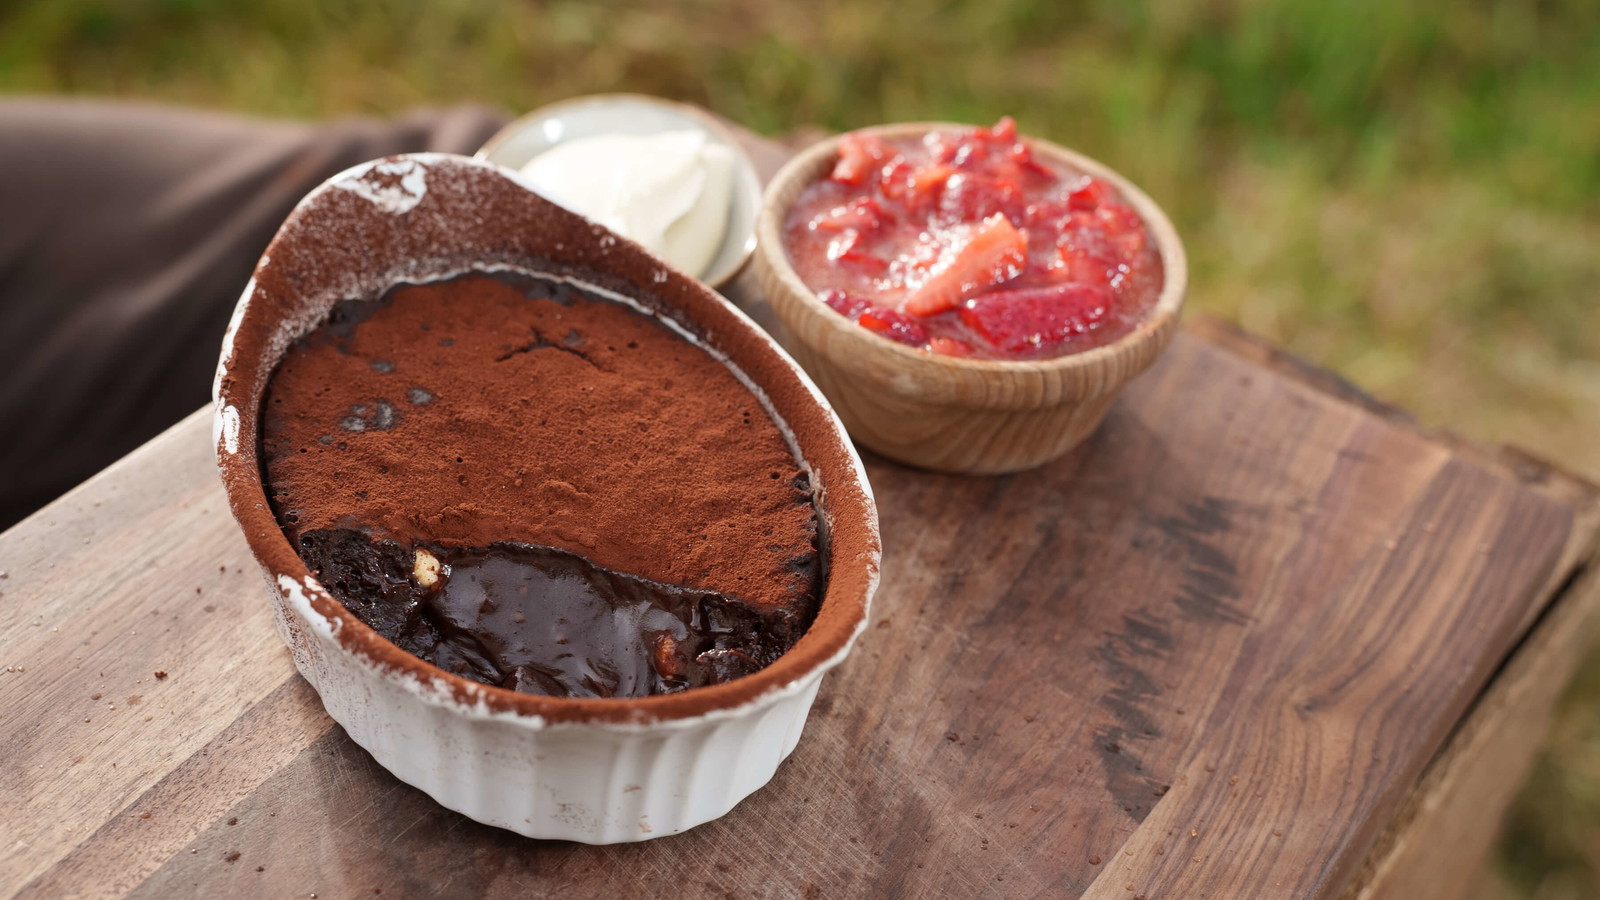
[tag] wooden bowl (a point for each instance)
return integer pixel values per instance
(946, 413)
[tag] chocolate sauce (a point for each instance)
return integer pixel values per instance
(545, 621)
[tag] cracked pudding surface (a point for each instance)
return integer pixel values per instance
(521, 432)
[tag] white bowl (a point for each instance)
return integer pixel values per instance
(580, 117)
(592, 770)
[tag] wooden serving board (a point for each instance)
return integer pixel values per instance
(1236, 645)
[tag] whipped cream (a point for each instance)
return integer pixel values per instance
(670, 191)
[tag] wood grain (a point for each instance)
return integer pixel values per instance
(1535, 474)
(1214, 651)
(1448, 822)
(1067, 666)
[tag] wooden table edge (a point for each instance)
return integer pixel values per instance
(1443, 831)
(1440, 838)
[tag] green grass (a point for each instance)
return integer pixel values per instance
(1407, 193)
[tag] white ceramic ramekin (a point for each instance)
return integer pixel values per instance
(597, 771)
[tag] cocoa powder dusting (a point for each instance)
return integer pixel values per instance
(497, 409)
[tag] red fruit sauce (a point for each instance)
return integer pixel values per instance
(967, 244)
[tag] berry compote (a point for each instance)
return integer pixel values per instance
(967, 243)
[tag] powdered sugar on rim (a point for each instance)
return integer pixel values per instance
(394, 186)
(228, 424)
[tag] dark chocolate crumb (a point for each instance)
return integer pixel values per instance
(233, 820)
(261, 868)
(160, 674)
(231, 856)
(951, 736)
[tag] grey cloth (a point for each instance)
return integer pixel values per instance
(127, 232)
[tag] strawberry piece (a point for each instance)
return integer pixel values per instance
(928, 179)
(1019, 153)
(996, 252)
(1094, 270)
(924, 186)
(1131, 246)
(1022, 158)
(864, 215)
(848, 248)
(950, 346)
(973, 198)
(1090, 194)
(859, 154)
(894, 325)
(1088, 256)
(1027, 320)
(993, 151)
(1050, 214)
(941, 146)
(845, 304)
(1117, 219)
(1067, 210)
(894, 178)
(971, 156)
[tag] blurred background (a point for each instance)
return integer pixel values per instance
(1405, 193)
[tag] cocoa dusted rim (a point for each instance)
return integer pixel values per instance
(423, 217)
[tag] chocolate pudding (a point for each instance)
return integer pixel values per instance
(534, 485)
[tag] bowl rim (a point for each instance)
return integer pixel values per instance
(239, 390)
(807, 166)
(744, 166)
